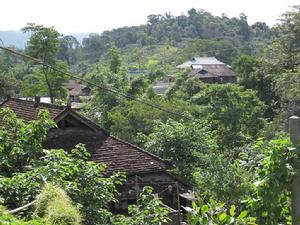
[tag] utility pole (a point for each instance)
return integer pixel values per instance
(294, 130)
(178, 203)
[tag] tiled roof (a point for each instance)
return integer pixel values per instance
(208, 71)
(78, 91)
(27, 110)
(119, 155)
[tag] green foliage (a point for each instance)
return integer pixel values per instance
(148, 211)
(104, 99)
(235, 114)
(221, 177)
(138, 86)
(254, 74)
(56, 207)
(38, 82)
(284, 53)
(21, 143)
(114, 59)
(131, 118)
(184, 88)
(183, 143)
(287, 86)
(8, 85)
(7, 219)
(218, 214)
(69, 50)
(23, 161)
(168, 29)
(271, 198)
(44, 44)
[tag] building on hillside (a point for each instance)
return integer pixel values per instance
(142, 168)
(160, 87)
(209, 70)
(77, 90)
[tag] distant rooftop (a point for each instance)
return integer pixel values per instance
(198, 61)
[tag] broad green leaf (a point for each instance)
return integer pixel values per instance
(232, 210)
(222, 217)
(243, 214)
(204, 209)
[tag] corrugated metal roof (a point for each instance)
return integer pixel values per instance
(200, 61)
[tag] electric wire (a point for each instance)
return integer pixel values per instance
(115, 91)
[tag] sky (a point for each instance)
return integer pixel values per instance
(85, 16)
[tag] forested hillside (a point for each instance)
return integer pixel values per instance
(229, 140)
(197, 32)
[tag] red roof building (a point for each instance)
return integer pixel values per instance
(142, 168)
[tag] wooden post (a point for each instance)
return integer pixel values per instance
(178, 203)
(294, 129)
(137, 191)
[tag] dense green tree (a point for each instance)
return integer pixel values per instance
(287, 88)
(93, 47)
(235, 114)
(244, 29)
(184, 88)
(106, 92)
(8, 85)
(114, 59)
(284, 53)
(183, 143)
(176, 30)
(44, 45)
(217, 213)
(270, 200)
(254, 74)
(83, 187)
(68, 49)
(138, 86)
(148, 211)
(132, 117)
(8, 219)
(23, 161)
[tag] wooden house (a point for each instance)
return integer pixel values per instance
(76, 90)
(142, 168)
(209, 70)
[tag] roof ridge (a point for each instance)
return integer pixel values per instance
(89, 122)
(41, 103)
(140, 149)
(4, 101)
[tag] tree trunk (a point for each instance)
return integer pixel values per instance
(45, 71)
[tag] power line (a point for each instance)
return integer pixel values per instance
(115, 91)
(201, 52)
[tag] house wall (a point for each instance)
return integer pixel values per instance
(67, 138)
(220, 80)
(229, 79)
(160, 182)
(164, 185)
